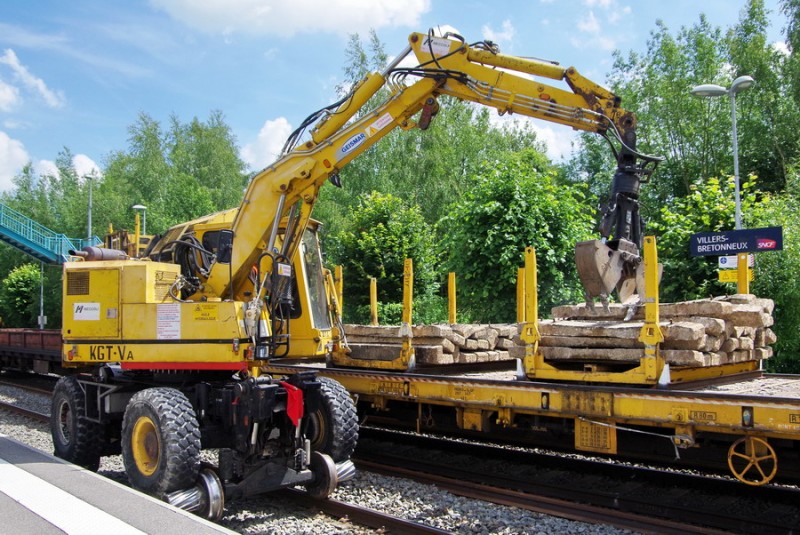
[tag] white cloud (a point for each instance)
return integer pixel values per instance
(54, 99)
(599, 3)
(559, 140)
(595, 38)
(9, 96)
(85, 166)
(13, 157)
(264, 17)
(614, 16)
(46, 168)
(267, 146)
(781, 47)
(589, 24)
(505, 35)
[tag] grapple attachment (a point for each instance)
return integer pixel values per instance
(606, 266)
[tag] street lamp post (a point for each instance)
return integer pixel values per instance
(713, 90)
(143, 208)
(89, 217)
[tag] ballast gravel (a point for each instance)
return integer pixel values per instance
(274, 514)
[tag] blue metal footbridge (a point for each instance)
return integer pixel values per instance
(37, 240)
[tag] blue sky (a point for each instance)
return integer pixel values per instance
(76, 74)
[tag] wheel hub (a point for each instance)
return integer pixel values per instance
(146, 445)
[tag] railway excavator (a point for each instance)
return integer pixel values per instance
(169, 350)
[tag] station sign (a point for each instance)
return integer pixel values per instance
(732, 261)
(732, 275)
(727, 242)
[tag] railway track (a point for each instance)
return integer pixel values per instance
(33, 415)
(655, 500)
(355, 514)
(642, 499)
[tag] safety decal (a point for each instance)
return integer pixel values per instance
(379, 124)
(168, 321)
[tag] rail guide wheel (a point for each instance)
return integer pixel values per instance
(753, 461)
(325, 476)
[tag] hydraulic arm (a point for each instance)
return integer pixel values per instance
(269, 225)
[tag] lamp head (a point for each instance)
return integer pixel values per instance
(709, 90)
(742, 83)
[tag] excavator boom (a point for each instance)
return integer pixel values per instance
(446, 66)
(252, 260)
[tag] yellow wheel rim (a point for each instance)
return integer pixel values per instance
(146, 446)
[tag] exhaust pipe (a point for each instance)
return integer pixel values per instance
(91, 253)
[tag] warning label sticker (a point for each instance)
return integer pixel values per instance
(382, 122)
(168, 321)
(205, 312)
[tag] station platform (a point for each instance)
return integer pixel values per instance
(45, 495)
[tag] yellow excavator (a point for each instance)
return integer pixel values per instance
(170, 348)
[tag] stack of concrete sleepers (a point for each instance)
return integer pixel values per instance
(705, 332)
(437, 344)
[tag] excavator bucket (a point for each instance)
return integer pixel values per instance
(604, 267)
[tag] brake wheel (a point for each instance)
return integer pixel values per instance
(753, 461)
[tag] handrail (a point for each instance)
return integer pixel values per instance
(26, 234)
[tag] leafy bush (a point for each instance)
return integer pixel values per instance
(19, 297)
(382, 231)
(515, 202)
(776, 278)
(709, 207)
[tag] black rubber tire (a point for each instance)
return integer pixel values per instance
(160, 441)
(75, 439)
(333, 429)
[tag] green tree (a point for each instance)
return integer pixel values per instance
(382, 232)
(791, 9)
(191, 170)
(776, 276)
(515, 201)
(709, 207)
(19, 296)
(428, 168)
(656, 86)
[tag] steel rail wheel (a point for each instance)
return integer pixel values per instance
(75, 439)
(333, 428)
(753, 461)
(160, 441)
(325, 478)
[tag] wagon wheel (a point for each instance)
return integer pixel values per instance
(753, 461)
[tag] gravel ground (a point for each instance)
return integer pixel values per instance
(276, 515)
